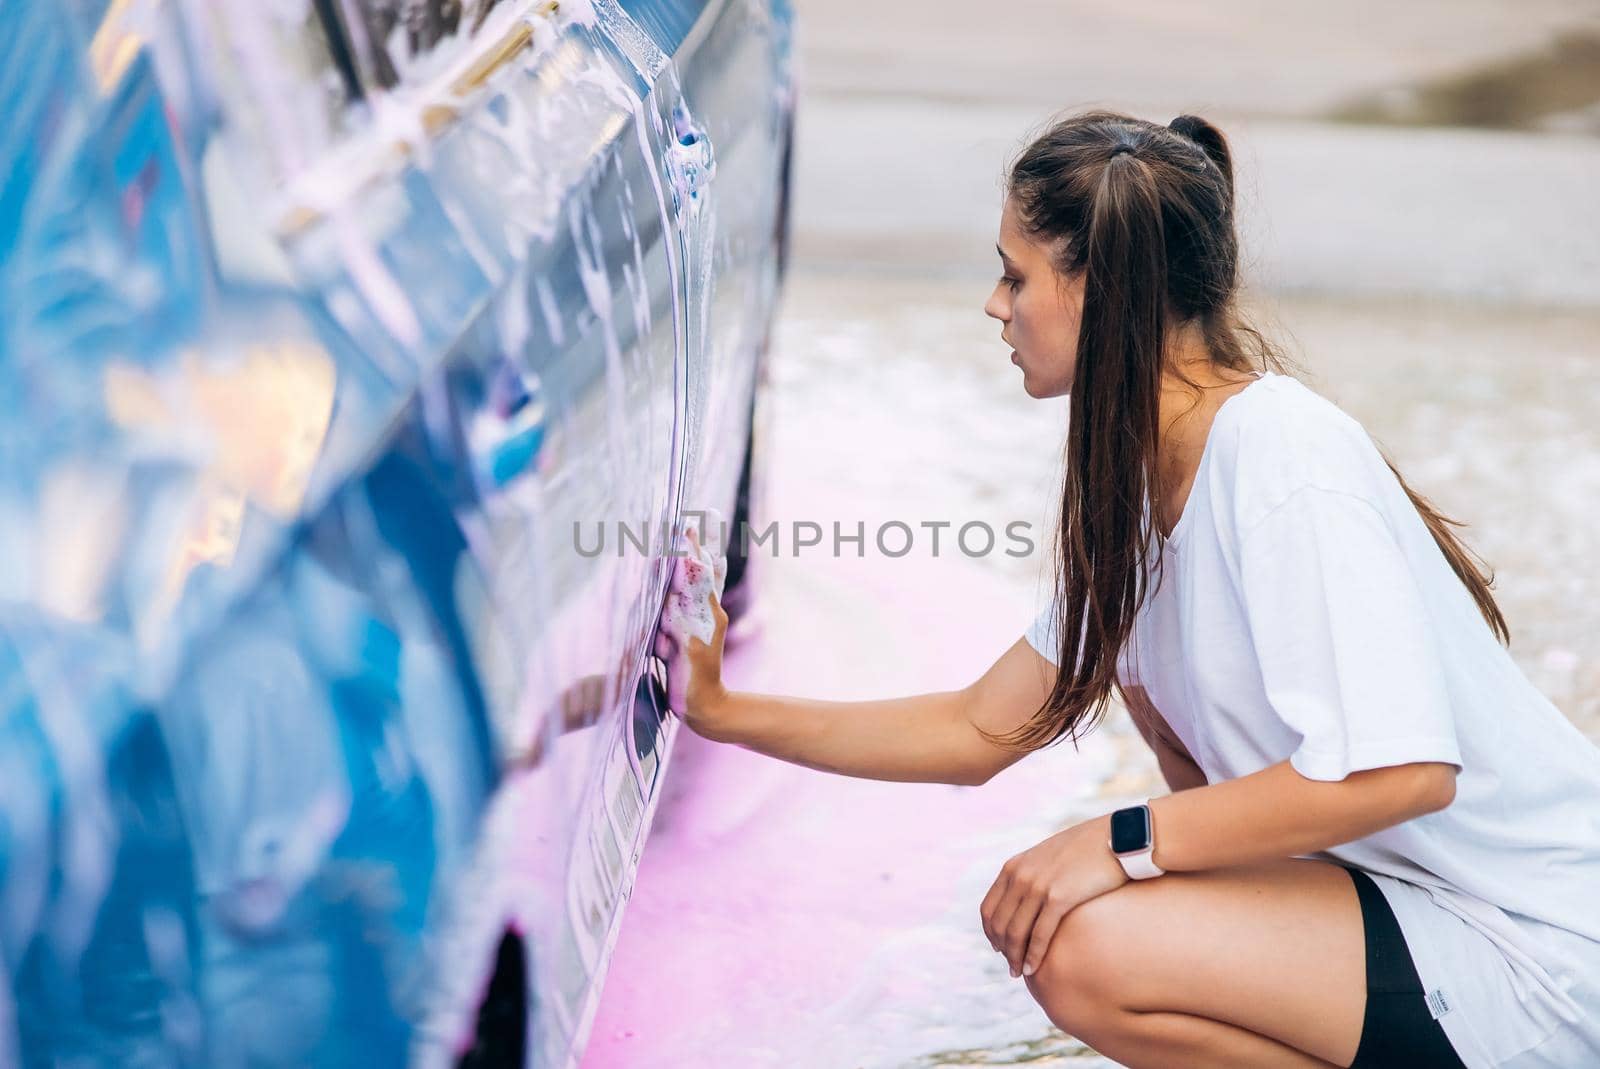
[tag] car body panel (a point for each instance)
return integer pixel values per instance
(323, 739)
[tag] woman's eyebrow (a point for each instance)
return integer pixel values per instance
(1009, 261)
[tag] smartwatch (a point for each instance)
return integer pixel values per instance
(1133, 840)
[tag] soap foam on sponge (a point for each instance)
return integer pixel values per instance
(700, 570)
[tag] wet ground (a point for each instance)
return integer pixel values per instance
(1441, 284)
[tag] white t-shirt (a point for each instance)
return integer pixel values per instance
(1307, 613)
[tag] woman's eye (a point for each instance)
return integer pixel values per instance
(1007, 280)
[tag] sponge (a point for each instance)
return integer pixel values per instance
(700, 570)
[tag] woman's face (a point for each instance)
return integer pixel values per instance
(1038, 310)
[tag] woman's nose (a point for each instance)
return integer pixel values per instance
(994, 308)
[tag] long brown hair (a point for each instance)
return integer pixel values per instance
(1146, 213)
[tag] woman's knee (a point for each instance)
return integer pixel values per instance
(1080, 982)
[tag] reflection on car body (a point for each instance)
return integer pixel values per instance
(322, 325)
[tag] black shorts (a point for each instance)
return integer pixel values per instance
(1397, 1029)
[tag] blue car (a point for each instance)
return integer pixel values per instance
(343, 346)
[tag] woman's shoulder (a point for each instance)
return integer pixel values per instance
(1278, 436)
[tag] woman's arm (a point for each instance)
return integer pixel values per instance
(1277, 812)
(923, 738)
(1266, 815)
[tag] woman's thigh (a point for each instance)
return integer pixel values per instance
(1277, 948)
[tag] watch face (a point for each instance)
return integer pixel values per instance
(1130, 829)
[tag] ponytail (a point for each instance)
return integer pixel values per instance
(1113, 430)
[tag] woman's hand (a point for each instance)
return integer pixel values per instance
(704, 693)
(1041, 885)
(690, 638)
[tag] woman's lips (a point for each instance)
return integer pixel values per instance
(1014, 359)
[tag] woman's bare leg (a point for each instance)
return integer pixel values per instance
(1255, 965)
(1173, 1040)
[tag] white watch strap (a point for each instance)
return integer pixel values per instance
(1141, 866)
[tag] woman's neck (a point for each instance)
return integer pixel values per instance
(1185, 419)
